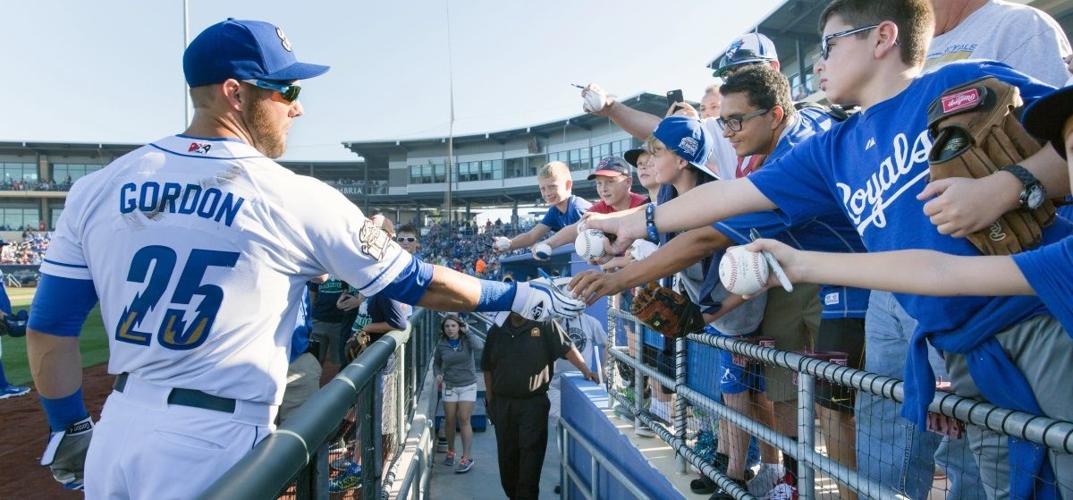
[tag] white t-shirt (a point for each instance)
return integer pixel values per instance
(723, 160)
(585, 333)
(200, 249)
(1025, 38)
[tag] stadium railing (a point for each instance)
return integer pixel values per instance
(382, 383)
(1052, 434)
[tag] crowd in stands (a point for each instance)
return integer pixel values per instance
(30, 251)
(467, 247)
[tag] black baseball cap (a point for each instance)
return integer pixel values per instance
(632, 155)
(1046, 117)
(611, 166)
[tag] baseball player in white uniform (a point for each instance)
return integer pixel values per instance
(198, 246)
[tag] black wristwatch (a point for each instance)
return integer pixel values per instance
(1034, 194)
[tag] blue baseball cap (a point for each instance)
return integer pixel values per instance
(244, 50)
(1046, 117)
(688, 138)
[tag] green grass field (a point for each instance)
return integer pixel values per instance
(93, 341)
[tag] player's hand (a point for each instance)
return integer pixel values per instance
(627, 227)
(501, 244)
(596, 100)
(541, 299)
(683, 109)
(593, 376)
(961, 206)
(591, 285)
(65, 455)
(793, 261)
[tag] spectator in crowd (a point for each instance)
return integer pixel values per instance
(456, 375)
(518, 361)
(709, 104)
(328, 324)
(564, 208)
(408, 239)
(880, 69)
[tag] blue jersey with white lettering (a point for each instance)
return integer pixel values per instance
(870, 168)
(575, 208)
(199, 250)
(826, 233)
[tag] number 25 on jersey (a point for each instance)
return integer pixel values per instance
(174, 333)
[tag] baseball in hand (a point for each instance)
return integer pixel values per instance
(743, 272)
(595, 99)
(541, 251)
(501, 243)
(590, 244)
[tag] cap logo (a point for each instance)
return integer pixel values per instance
(958, 101)
(284, 40)
(734, 48)
(689, 146)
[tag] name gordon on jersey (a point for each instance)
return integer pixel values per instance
(172, 197)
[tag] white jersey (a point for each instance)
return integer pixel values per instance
(199, 251)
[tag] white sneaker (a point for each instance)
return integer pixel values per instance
(765, 480)
(642, 430)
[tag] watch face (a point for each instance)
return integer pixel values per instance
(1035, 198)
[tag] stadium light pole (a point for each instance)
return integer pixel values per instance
(451, 120)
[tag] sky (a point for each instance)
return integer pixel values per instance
(110, 71)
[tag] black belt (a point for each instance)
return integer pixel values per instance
(187, 397)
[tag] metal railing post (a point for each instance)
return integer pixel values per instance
(638, 380)
(806, 434)
(679, 400)
(369, 437)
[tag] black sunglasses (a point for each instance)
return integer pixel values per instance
(825, 44)
(289, 91)
(735, 123)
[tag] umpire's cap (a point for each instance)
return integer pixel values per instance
(1046, 117)
(244, 50)
(748, 48)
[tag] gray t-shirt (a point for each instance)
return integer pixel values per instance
(457, 365)
(1025, 38)
(585, 333)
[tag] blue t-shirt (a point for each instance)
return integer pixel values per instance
(870, 168)
(1049, 271)
(575, 208)
(825, 233)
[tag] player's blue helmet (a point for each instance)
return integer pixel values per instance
(244, 50)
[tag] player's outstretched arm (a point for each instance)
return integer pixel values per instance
(443, 289)
(701, 206)
(680, 253)
(918, 272)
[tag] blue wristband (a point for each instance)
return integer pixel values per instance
(496, 296)
(650, 223)
(62, 412)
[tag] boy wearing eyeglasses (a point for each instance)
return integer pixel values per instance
(873, 168)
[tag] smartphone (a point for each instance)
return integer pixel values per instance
(674, 97)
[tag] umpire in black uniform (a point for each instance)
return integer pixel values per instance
(517, 364)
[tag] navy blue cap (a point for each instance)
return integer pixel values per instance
(633, 155)
(1046, 117)
(688, 139)
(244, 50)
(611, 166)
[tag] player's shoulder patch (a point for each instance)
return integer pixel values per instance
(374, 241)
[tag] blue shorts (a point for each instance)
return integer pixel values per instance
(735, 378)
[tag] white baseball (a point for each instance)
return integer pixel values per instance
(743, 272)
(641, 249)
(595, 99)
(501, 243)
(541, 251)
(590, 244)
